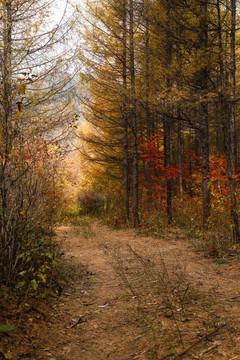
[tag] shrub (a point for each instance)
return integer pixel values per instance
(91, 203)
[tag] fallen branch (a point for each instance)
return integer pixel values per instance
(199, 341)
(78, 321)
(235, 297)
(208, 349)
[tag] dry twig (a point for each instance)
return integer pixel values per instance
(198, 342)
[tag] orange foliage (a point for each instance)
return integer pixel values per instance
(153, 156)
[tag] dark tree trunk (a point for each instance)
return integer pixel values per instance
(180, 137)
(205, 170)
(232, 73)
(167, 163)
(180, 155)
(203, 112)
(7, 242)
(147, 105)
(167, 130)
(125, 116)
(134, 118)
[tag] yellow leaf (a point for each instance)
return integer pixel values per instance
(23, 89)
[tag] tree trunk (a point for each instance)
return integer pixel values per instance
(203, 112)
(180, 137)
(167, 163)
(125, 117)
(7, 243)
(205, 170)
(232, 73)
(167, 131)
(147, 105)
(134, 118)
(180, 155)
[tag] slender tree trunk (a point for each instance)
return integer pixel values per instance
(147, 105)
(190, 163)
(125, 116)
(167, 132)
(180, 154)
(134, 118)
(180, 137)
(167, 163)
(7, 243)
(174, 158)
(205, 171)
(203, 112)
(232, 129)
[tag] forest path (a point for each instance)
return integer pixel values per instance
(99, 319)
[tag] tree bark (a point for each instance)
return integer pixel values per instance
(232, 73)
(204, 126)
(167, 131)
(125, 116)
(133, 117)
(147, 105)
(7, 246)
(180, 155)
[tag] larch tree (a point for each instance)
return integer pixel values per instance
(163, 74)
(110, 103)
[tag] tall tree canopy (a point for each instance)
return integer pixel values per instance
(161, 98)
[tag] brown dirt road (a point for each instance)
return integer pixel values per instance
(99, 319)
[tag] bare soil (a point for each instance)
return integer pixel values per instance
(113, 311)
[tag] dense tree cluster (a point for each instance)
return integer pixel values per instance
(162, 102)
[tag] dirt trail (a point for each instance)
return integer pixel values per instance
(97, 319)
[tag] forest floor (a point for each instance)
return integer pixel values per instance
(133, 297)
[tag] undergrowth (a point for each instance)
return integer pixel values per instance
(171, 312)
(41, 274)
